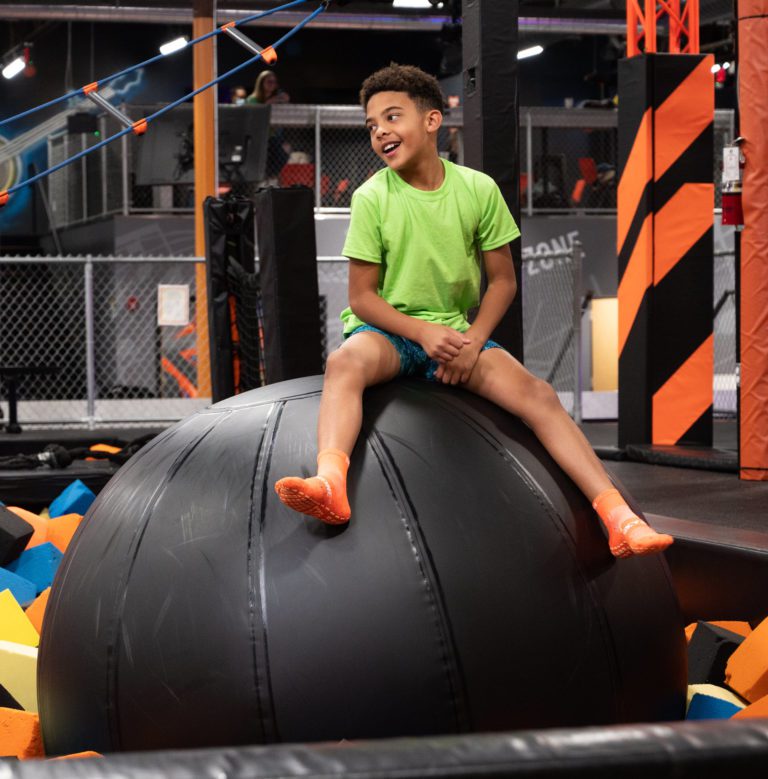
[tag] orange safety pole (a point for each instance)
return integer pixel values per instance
(672, 10)
(634, 20)
(753, 121)
(692, 11)
(650, 26)
(204, 112)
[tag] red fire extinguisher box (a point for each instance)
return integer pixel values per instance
(732, 210)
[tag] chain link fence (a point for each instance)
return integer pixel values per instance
(725, 379)
(90, 326)
(92, 323)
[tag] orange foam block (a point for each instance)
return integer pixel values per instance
(61, 529)
(757, 709)
(747, 669)
(742, 628)
(20, 734)
(36, 610)
(689, 630)
(40, 536)
(78, 755)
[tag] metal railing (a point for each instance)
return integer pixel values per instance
(568, 162)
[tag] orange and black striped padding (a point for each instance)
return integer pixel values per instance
(664, 244)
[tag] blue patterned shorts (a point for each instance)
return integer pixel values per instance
(413, 359)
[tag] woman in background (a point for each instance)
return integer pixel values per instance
(267, 90)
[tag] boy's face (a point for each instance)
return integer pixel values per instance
(402, 134)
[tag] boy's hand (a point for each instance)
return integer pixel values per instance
(442, 343)
(458, 370)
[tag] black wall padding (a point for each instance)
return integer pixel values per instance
(492, 126)
(681, 750)
(285, 229)
(719, 573)
(473, 590)
(228, 236)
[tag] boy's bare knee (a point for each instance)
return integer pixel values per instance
(340, 362)
(539, 401)
(544, 396)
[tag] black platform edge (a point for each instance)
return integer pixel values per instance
(33, 440)
(610, 453)
(704, 459)
(719, 573)
(34, 490)
(677, 749)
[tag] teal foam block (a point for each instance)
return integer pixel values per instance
(75, 499)
(707, 707)
(22, 589)
(37, 565)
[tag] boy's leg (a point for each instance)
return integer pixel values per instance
(502, 379)
(363, 360)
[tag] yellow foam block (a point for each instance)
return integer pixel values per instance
(18, 673)
(747, 669)
(36, 610)
(40, 536)
(757, 709)
(14, 623)
(20, 734)
(714, 692)
(61, 529)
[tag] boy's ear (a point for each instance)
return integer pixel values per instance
(434, 119)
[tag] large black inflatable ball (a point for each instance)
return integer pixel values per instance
(472, 591)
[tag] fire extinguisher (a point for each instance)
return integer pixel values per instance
(733, 165)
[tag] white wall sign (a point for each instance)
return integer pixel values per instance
(172, 305)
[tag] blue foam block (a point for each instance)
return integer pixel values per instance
(75, 499)
(22, 589)
(707, 707)
(38, 565)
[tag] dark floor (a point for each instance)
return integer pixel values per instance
(703, 496)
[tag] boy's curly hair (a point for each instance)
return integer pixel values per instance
(422, 88)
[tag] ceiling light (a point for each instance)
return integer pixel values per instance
(412, 4)
(14, 68)
(174, 45)
(531, 52)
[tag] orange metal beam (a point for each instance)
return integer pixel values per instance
(682, 19)
(204, 111)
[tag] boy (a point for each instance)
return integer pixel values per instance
(417, 231)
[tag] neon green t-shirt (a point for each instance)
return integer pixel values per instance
(428, 243)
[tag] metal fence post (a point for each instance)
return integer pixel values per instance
(124, 149)
(529, 162)
(84, 174)
(90, 363)
(104, 201)
(577, 257)
(318, 161)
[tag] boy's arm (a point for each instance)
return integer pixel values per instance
(501, 291)
(499, 294)
(439, 342)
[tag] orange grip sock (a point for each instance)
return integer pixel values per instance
(323, 496)
(627, 533)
